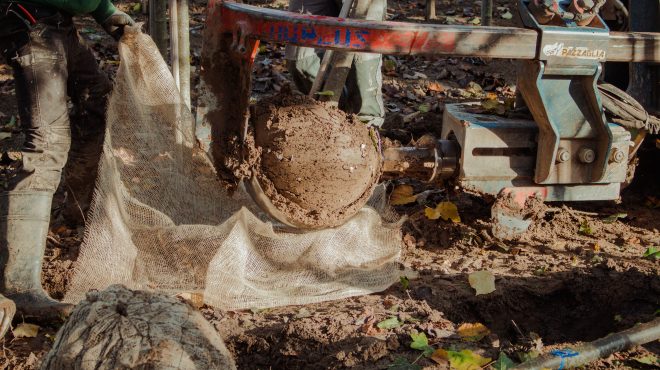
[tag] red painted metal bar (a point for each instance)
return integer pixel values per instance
(403, 38)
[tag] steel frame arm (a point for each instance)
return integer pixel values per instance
(403, 38)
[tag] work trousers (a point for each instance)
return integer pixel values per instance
(363, 86)
(51, 64)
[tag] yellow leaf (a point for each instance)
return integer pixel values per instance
(445, 210)
(25, 331)
(483, 282)
(473, 332)
(462, 360)
(402, 194)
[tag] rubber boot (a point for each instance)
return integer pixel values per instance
(24, 225)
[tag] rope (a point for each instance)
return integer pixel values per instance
(564, 354)
(624, 110)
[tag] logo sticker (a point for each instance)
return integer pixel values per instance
(559, 50)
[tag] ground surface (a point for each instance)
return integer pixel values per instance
(575, 276)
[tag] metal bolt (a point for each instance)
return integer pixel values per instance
(618, 155)
(586, 155)
(563, 155)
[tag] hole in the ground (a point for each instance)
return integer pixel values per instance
(561, 307)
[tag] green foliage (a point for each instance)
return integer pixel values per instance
(421, 343)
(503, 362)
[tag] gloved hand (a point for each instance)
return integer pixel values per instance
(115, 24)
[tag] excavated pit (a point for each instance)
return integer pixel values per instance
(318, 165)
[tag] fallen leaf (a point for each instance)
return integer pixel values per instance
(597, 247)
(445, 210)
(402, 194)
(303, 313)
(402, 364)
(440, 356)
(503, 362)
(390, 323)
(473, 332)
(648, 360)
(483, 282)
(460, 360)
(326, 93)
(424, 108)
(474, 89)
(528, 356)
(436, 86)
(369, 329)
(421, 343)
(405, 282)
(613, 218)
(652, 253)
(25, 330)
(585, 229)
(490, 104)
(389, 66)
(507, 15)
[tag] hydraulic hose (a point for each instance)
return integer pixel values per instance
(626, 111)
(583, 354)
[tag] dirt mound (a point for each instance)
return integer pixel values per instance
(318, 165)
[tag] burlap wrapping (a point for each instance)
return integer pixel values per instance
(161, 221)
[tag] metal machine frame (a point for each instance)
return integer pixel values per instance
(568, 152)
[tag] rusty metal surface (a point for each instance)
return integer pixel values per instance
(432, 161)
(404, 38)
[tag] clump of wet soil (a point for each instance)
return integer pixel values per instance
(318, 165)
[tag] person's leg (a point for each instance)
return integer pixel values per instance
(365, 83)
(88, 88)
(303, 63)
(40, 73)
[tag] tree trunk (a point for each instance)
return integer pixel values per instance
(158, 24)
(123, 329)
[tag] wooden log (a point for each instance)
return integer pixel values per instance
(123, 329)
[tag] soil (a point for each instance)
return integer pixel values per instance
(318, 165)
(576, 275)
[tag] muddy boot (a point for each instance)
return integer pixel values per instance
(23, 232)
(363, 90)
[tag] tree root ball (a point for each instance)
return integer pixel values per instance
(123, 329)
(318, 165)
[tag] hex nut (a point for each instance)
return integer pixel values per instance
(586, 155)
(563, 155)
(618, 155)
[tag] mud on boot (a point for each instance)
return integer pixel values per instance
(24, 221)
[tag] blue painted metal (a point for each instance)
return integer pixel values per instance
(559, 87)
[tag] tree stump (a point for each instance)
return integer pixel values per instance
(123, 329)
